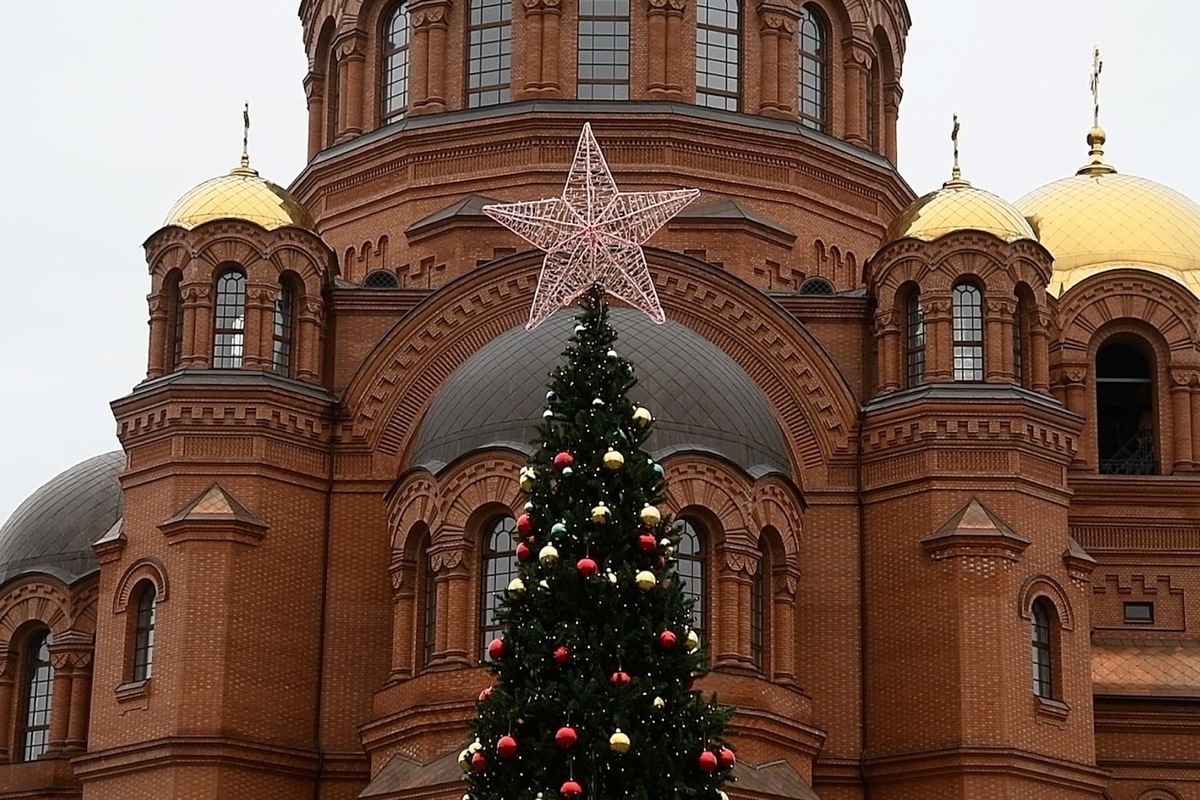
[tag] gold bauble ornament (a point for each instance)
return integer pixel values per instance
(464, 761)
(642, 417)
(693, 642)
(650, 516)
(659, 703)
(544, 583)
(613, 460)
(548, 555)
(612, 577)
(474, 747)
(516, 586)
(528, 478)
(600, 514)
(619, 742)
(645, 580)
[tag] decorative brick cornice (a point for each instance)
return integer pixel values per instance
(975, 532)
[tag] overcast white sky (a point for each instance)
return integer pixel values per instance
(136, 101)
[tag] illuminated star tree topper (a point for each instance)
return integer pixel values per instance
(592, 235)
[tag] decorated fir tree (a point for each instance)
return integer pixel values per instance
(594, 671)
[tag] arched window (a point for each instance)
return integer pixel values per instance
(230, 322)
(968, 332)
(1125, 410)
(489, 52)
(394, 69)
(143, 635)
(914, 338)
(499, 567)
(718, 54)
(690, 557)
(381, 279)
(1043, 655)
(603, 50)
(1022, 319)
(816, 286)
(814, 69)
(428, 603)
(36, 695)
(283, 327)
(174, 292)
(874, 98)
(333, 94)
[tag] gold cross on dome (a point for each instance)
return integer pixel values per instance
(1097, 68)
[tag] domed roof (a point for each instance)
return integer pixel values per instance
(959, 206)
(1098, 220)
(53, 530)
(242, 194)
(701, 398)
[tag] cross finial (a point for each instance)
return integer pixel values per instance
(1097, 68)
(956, 173)
(246, 134)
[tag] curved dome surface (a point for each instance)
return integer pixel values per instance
(700, 397)
(53, 530)
(242, 194)
(959, 206)
(1101, 220)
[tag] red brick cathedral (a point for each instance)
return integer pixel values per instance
(936, 460)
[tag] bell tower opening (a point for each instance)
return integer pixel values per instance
(1125, 411)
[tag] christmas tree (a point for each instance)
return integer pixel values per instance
(593, 694)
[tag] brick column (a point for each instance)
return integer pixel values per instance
(781, 642)
(891, 116)
(674, 42)
(858, 67)
(1195, 398)
(8, 669)
(455, 630)
(939, 339)
(81, 695)
(156, 362)
(1074, 379)
(729, 628)
(777, 29)
(257, 336)
(60, 703)
(307, 340)
(533, 46)
(998, 344)
(888, 341)
(428, 62)
(1181, 414)
(404, 572)
(314, 94)
(351, 55)
(656, 47)
(551, 82)
(197, 324)
(1039, 352)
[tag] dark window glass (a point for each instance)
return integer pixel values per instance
(814, 61)
(230, 323)
(381, 279)
(690, 566)
(718, 54)
(394, 70)
(1019, 337)
(283, 327)
(914, 339)
(874, 98)
(816, 286)
(968, 333)
(758, 609)
(143, 646)
(36, 698)
(489, 57)
(429, 635)
(1042, 678)
(333, 93)
(1125, 411)
(603, 50)
(1139, 613)
(175, 321)
(499, 568)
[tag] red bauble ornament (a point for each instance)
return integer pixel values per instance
(524, 525)
(506, 747)
(690, 683)
(726, 758)
(562, 655)
(587, 567)
(524, 553)
(647, 543)
(563, 460)
(485, 695)
(619, 678)
(661, 562)
(479, 761)
(571, 789)
(707, 762)
(566, 737)
(496, 649)
(666, 640)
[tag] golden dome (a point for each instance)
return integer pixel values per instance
(241, 194)
(959, 206)
(1098, 220)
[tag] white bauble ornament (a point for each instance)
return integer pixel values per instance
(548, 555)
(613, 460)
(612, 577)
(693, 642)
(650, 516)
(600, 514)
(528, 478)
(659, 703)
(642, 417)
(516, 586)
(619, 742)
(645, 580)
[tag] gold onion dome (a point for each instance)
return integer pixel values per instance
(242, 194)
(1099, 220)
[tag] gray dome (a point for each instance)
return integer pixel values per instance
(700, 397)
(53, 530)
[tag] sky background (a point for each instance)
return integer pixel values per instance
(139, 100)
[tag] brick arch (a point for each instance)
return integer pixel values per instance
(414, 501)
(482, 479)
(146, 569)
(85, 602)
(37, 598)
(775, 504)
(169, 255)
(1128, 294)
(1045, 586)
(713, 485)
(297, 257)
(1158, 793)
(811, 399)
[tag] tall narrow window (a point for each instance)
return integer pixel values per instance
(230, 322)
(333, 97)
(429, 632)
(143, 642)
(914, 339)
(758, 609)
(690, 557)
(603, 50)
(718, 54)
(1125, 410)
(36, 698)
(968, 332)
(814, 70)
(1020, 337)
(283, 327)
(874, 98)
(174, 293)
(489, 57)
(1043, 678)
(394, 70)
(499, 567)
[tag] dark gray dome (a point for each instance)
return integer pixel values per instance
(53, 530)
(701, 398)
